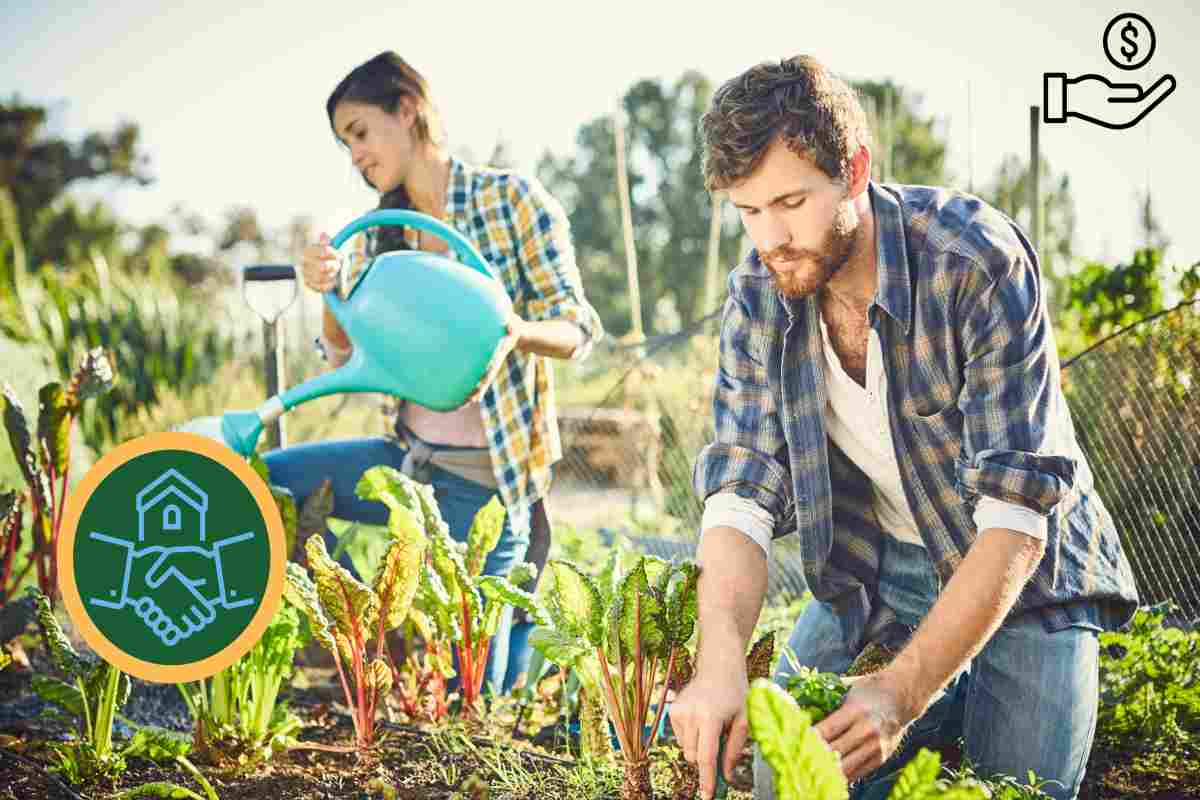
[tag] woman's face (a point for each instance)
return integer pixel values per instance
(382, 146)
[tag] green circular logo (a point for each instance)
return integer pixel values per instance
(170, 557)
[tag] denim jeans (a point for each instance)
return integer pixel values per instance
(1027, 701)
(301, 468)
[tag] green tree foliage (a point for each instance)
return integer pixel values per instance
(907, 147)
(38, 167)
(671, 209)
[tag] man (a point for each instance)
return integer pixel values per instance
(888, 389)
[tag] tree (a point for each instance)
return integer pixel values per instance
(670, 207)
(37, 169)
(1153, 236)
(907, 147)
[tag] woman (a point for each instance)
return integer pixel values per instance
(506, 442)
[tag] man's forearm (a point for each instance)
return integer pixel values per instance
(733, 583)
(972, 606)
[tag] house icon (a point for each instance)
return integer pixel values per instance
(171, 506)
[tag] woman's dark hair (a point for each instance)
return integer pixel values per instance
(381, 82)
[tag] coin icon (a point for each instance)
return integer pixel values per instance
(1128, 41)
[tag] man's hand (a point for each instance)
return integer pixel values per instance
(868, 727)
(712, 704)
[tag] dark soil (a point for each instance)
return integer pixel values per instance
(412, 762)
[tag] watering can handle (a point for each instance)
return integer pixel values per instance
(414, 219)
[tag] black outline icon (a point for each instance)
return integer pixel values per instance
(1109, 27)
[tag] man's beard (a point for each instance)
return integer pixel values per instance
(808, 271)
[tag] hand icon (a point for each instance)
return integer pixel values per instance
(172, 607)
(1098, 100)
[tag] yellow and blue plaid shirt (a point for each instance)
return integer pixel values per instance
(975, 409)
(523, 233)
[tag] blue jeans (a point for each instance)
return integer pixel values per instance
(301, 468)
(1027, 701)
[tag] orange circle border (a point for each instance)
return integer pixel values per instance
(77, 501)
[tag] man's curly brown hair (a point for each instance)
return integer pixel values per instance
(816, 114)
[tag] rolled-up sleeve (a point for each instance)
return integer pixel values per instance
(748, 454)
(1009, 392)
(548, 255)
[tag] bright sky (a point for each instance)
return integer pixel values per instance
(231, 99)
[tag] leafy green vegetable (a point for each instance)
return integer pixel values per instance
(818, 693)
(804, 766)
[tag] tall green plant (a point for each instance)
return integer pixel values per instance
(464, 607)
(44, 458)
(236, 713)
(344, 614)
(625, 633)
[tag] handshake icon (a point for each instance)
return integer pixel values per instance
(172, 578)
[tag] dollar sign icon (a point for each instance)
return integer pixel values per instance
(1128, 41)
(1128, 35)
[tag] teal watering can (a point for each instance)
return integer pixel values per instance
(424, 327)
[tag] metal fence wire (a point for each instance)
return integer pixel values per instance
(1134, 397)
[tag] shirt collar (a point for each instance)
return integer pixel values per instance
(894, 293)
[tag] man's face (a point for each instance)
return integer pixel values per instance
(802, 222)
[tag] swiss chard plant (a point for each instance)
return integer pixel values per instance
(91, 694)
(421, 683)
(623, 634)
(236, 713)
(345, 614)
(460, 607)
(44, 458)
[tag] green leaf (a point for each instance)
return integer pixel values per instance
(484, 534)
(301, 592)
(574, 602)
(640, 614)
(379, 679)
(818, 693)
(448, 564)
(260, 467)
(804, 766)
(918, 779)
(400, 569)
(559, 646)
(93, 377)
(314, 515)
(433, 599)
(499, 593)
(348, 603)
(19, 438)
(609, 578)
(61, 652)
(682, 607)
(61, 694)
(520, 574)
(54, 426)
(287, 512)
(157, 744)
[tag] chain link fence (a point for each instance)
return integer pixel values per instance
(635, 417)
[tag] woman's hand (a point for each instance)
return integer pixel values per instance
(320, 265)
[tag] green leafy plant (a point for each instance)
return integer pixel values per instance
(91, 695)
(420, 683)
(1149, 682)
(344, 614)
(44, 458)
(631, 629)
(456, 603)
(236, 713)
(805, 767)
(159, 745)
(818, 693)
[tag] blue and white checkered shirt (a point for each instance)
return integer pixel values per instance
(975, 409)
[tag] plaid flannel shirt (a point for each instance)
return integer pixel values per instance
(975, 409)
(523, 233)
